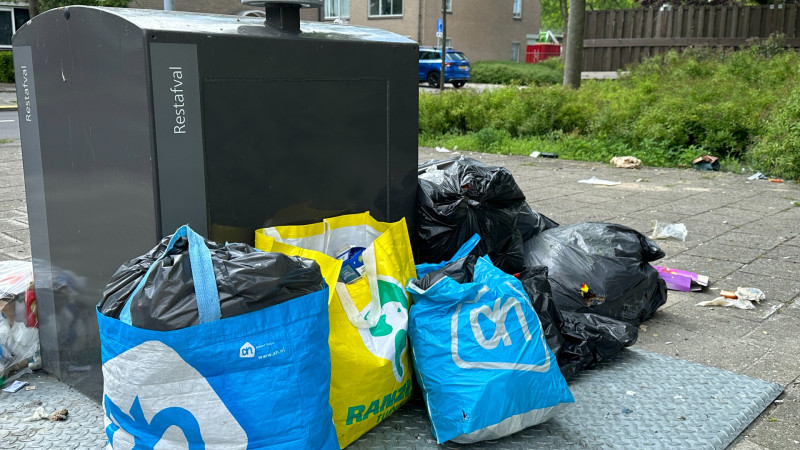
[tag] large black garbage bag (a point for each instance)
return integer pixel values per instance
(460, 197)
(610, 262)
(247, 280)
(530, 223)
(579, 340)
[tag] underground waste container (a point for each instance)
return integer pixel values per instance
(134, 122)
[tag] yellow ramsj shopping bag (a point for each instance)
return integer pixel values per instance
(370, 364)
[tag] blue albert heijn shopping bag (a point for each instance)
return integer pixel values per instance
(479, 352)
(257, 380)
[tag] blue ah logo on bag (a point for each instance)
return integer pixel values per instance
(495, 334)
(247, 351)
(164, 402)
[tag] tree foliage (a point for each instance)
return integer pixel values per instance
(554, 12)
(44, 5)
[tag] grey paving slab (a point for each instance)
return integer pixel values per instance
(761, 240)
(774, 267)
(740, 255)
(714, 268)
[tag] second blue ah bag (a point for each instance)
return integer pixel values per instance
(479, 352)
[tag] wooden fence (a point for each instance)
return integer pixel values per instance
(616, 38)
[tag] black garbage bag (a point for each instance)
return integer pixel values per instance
(460, 197)
(600, 268)
(247, 280)
(530, 223)
(578, 340)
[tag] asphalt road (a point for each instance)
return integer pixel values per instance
(9, 125)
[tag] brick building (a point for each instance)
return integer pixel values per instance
(483, 29)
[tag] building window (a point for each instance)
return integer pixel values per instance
(337, 9)
(449, 7)
(518, 9)
(10, 21)
(439, 43)
(515, 51)
(385, 7)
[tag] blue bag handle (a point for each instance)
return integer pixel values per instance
(205, 282)
(466, 248)
(425, 268)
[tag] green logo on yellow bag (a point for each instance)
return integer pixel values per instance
(389, 338)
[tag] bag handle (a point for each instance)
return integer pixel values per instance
(205, 282)
(371, 272)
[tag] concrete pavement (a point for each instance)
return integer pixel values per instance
(740, 233)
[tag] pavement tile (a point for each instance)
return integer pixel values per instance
(738, 239)
(773, 267)
(714, 268)
(685, 334)
(779, 289)
(727, 252)
(727, 215)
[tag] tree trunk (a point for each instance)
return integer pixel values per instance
(33, 8)
(573, 64)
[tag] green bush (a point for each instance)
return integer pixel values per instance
(6, 67)
(777, 150)
(742, 106)
(547, 72)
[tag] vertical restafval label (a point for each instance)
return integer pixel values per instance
(179, 136)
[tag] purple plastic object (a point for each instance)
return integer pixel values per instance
(682, 280)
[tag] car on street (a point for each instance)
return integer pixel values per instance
(457, 69)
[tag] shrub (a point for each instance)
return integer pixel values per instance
(740, 106)
(548, 72)
(6, 67)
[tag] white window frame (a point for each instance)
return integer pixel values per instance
(392, 2)
(448, 44)
(10, 8)
(449, 7)
(517, 11)
(341, 14)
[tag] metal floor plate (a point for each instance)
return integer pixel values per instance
(640, 400)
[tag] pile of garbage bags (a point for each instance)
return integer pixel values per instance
(590, 283)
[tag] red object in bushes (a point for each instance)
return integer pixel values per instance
(539, 52)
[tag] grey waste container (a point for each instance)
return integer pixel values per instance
(134, 122)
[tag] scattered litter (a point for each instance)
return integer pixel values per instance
(61, 414)
(15, 387)
(728, 294)
(730, 302)
(638, 180)
(776, 180)
(667, 343)
(778, 401)
(595, 180)
(682, 280)
(750, 294)
(706, 162)
(757, 176)
(543, 155)
(39, 414)
(630, 393)
(627, 162)
(442, 150)
(663, 230)
(643, 327)
(30, 388)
